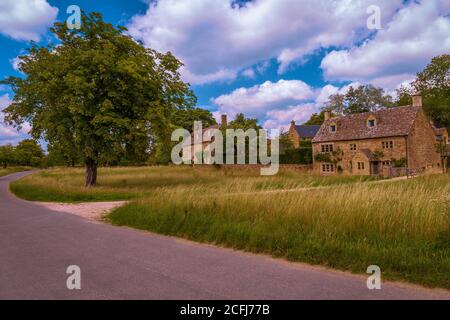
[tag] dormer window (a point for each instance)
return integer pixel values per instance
(371, 122)
(333, 128)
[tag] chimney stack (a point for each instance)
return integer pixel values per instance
(417, 100)
(224, 120)
(327, 115)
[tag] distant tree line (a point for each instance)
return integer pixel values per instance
(26, 153)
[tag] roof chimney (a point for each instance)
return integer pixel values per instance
(327, 115)
(224, 120)
(417, 100)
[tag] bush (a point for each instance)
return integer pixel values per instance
(302, 155)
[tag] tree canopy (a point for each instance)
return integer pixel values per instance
(97, 93)
(433, 83)
(185, 118)
(317, 119)
(7, 156)
(364, 98)
(28, 153)
(241, 122)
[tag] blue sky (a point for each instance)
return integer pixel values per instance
(277, 60)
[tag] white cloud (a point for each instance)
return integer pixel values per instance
(15, 63)
(258, 99)
(26, 19)
(217, 40)
(416, 34)
(277, 104)
(281, 118)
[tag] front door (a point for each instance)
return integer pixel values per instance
(376, 168)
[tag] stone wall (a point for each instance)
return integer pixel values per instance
(250, 167)
(294, 137)
(351, 157)
(422, 151)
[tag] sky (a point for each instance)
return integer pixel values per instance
(274, 60)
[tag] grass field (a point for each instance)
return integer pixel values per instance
(346, 223)
(10, 170)
(67, 185)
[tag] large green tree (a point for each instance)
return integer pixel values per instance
(98, 93)
(433, 83)
(358, 100)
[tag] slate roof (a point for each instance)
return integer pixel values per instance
(306, 131)
(392, 122)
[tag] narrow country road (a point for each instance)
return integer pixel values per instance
(37, 245)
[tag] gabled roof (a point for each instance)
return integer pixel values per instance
(392, 122)
(305, 131)
(369, 154)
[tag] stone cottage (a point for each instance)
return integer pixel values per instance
(368, 143)
(301, 133)
(206, 139)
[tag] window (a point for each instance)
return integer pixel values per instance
(333, 128)
(361, 166)
(353, 147)
(327, 148)
(386, 163)
(387, 144)
(328, 167)
(371, 122)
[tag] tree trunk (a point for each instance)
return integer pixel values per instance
(91, 173)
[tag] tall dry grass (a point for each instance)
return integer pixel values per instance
(67, 185)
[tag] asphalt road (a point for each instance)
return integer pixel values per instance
(37, 245)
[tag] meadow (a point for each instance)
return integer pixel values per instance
(341, 222)
(67, 184)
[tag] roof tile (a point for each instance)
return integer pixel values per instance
(390, 122)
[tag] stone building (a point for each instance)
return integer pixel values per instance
(301, 133)
(442, 135)
(206, 139)
(369, 143)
